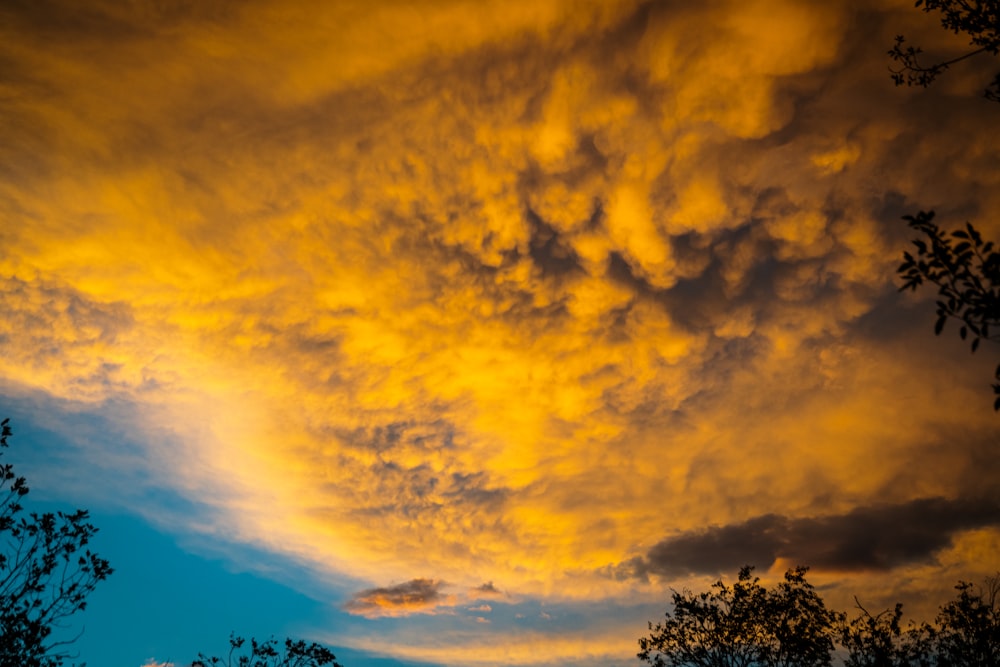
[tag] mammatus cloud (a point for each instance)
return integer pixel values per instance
(878, 537)
(417, 596)
(502, 291)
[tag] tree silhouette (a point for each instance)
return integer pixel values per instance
(747, 625)
(294, 653)
(46, 573)
(968, 627)
(967, 272)
(879, 640)
(743, 625)
(978, 19)
(966, 633)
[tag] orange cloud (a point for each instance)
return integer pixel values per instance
(499, 292)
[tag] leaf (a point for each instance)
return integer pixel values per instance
(973, 234)
(939, 325)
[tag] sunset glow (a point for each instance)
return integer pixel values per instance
(492, 322)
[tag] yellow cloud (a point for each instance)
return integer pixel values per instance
(479, 291)
(521, 648)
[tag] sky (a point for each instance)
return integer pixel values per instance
(461, 332)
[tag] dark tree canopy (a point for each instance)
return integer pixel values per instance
(293, 653)
(979, 20)
(967, 629)
(966, 270)
(744, 625)
(747, 625)
(46, 573)
(879, 640)
(966, 633)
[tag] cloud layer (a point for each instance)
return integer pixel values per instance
(505, 292)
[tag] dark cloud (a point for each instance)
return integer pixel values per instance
(486, 589)
(550, 253)
(755, 541)
(876, 537)
(414, 596)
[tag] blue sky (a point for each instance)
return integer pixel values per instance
(174, 594)
(463, 332)
(186, 602)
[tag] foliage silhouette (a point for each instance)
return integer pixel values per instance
(968, 627)
(979, 20)
(747, 625)
(880, 641)
(743, 625)
(967, 272)
(966, 633)
(294, 653)
(46, 573)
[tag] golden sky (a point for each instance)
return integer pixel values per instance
(554, 301)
